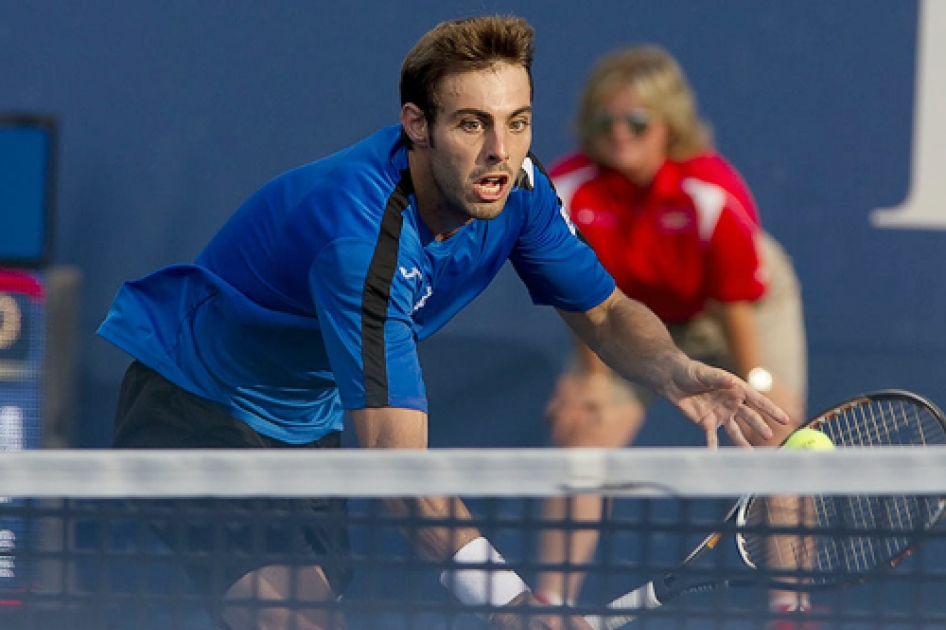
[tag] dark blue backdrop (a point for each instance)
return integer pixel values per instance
(171, 113)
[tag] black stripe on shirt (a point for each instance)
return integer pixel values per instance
(377, 295)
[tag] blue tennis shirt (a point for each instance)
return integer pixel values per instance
(312, 297)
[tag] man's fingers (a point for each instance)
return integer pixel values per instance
(736, 436)
(760, 402)
(713, 378)
(742, 419)
(712, 439)
(754, 420)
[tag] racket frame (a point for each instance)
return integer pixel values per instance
(674, 583)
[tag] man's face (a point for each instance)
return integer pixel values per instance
(478, 141)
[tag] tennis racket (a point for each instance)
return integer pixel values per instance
(814, 543)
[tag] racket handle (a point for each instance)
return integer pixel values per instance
(641, 598)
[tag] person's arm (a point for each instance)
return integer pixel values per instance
(636, 344)
(389, 427)
(739, 326)
(589, 362)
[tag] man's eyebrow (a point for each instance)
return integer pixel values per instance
(470, 111)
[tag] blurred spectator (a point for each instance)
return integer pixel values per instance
(677, 227)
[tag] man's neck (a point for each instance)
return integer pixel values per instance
(439, 219)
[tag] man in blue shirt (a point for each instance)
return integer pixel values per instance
(307, 306)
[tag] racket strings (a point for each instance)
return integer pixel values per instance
(884, 422)
(825, 539)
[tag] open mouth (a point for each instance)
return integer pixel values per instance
(491, 187)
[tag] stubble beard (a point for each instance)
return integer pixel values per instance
(486, 211)
(458, 198)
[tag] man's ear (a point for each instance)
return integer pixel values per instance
(414, 123)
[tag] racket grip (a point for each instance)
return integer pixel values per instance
(641, 598)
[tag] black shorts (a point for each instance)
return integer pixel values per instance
(218, 541)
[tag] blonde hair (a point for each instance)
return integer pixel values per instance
(659, 84)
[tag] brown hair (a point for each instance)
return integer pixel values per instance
(458, 46)
(659, 83)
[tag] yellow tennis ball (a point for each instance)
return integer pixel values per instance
(812, 439)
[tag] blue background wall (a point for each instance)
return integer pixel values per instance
(171, 113)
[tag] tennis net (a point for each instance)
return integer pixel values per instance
(86, 537)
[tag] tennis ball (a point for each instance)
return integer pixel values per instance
(811, 439)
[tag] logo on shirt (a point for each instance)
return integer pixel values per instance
(675, 220)
(598, 218)
(428, 291)
(410, 274)
(413, 273)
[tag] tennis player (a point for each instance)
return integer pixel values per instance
(306, 308)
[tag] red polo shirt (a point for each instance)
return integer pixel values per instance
(687, 238)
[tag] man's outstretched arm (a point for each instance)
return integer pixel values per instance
(389, 427)
(636, 344)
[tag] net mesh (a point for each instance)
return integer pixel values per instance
(121, 539)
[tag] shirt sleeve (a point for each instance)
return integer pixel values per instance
(367, 329)
(558, 268)
(728, 229)
(734, 269)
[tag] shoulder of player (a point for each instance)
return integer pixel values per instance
(373, 167)
(532, 182)
(533, 199)
(569, 173)
(377, 160)
(360, 180)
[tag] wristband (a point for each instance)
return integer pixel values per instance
(482, 586)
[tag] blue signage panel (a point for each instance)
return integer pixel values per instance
(26, 149)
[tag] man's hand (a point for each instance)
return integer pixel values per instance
(526, 614)
(792, 404)
(632, 341)
(714, 399)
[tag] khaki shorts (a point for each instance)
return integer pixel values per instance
(779, 320)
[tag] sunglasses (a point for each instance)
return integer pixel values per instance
(636, 120)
